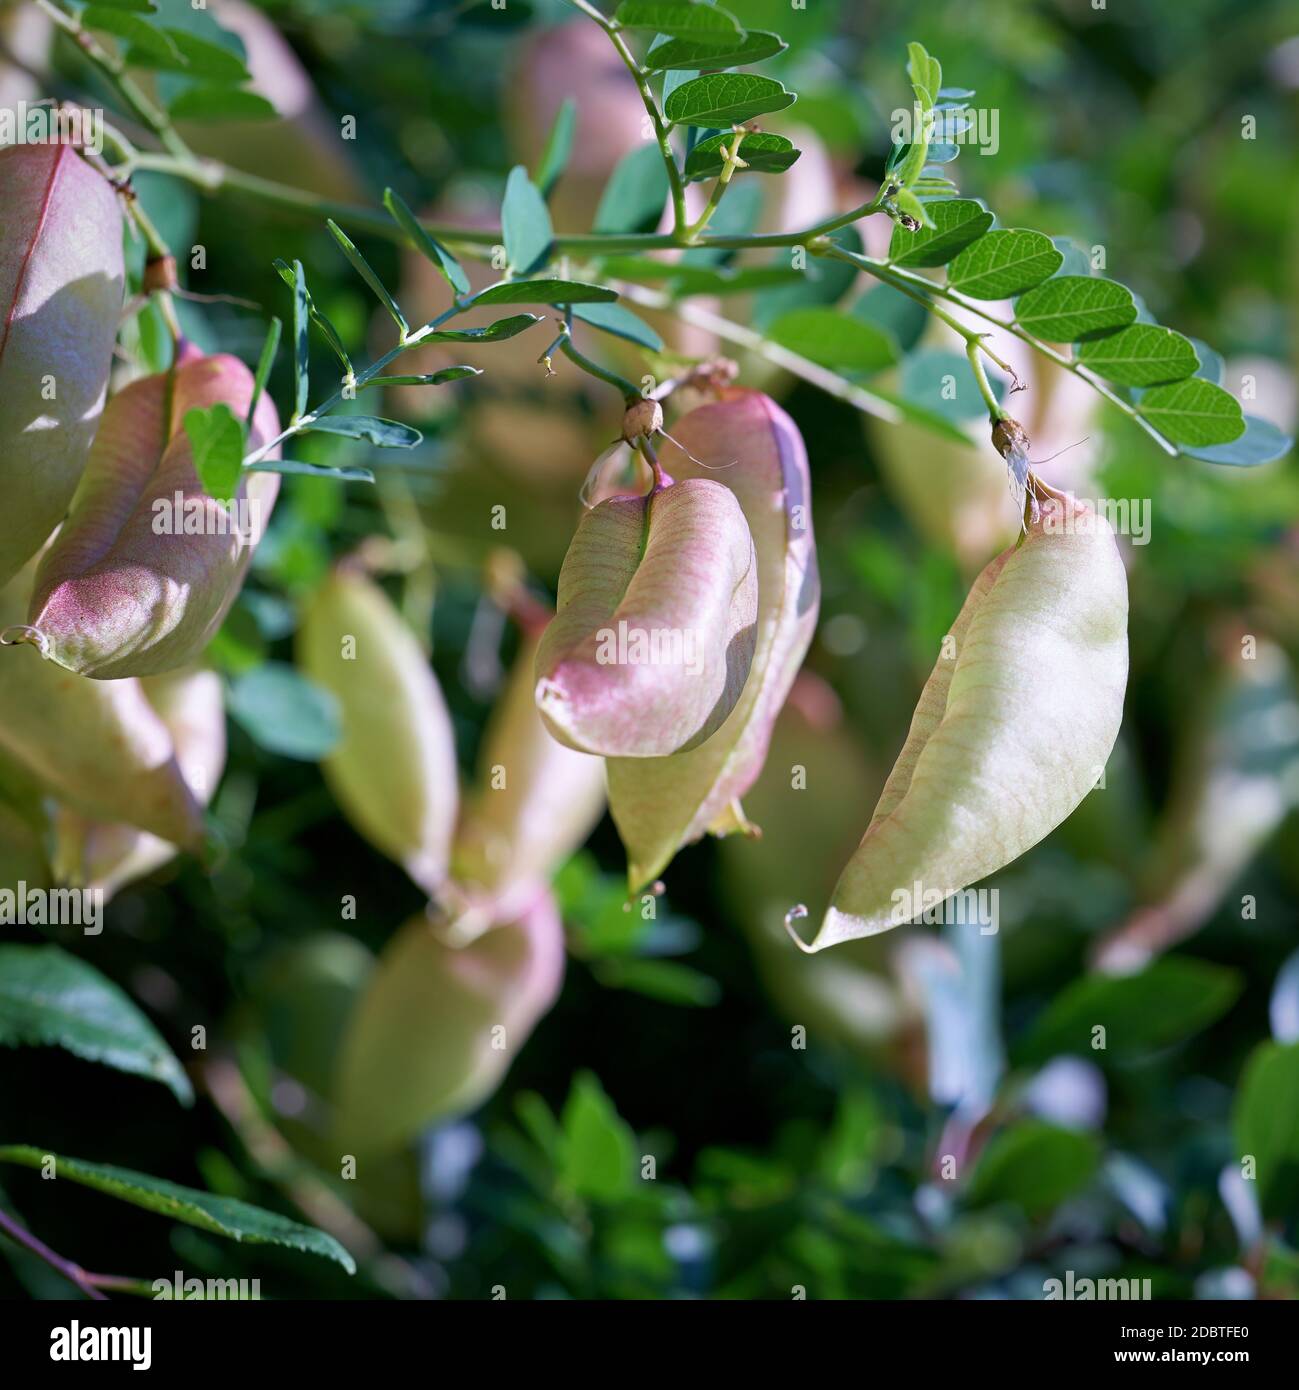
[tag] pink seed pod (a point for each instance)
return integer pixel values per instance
(534, 803)
(60, 297)
(438, 1026)
(98, 745)
(393, 772)
(107, 856)
(655, 623)
(748, 443)
(146, 566)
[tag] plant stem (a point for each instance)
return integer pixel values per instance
(629, 392)
(731, 161)
(67, 1268)
(641, 78)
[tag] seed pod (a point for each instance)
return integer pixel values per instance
(437, 1026)
(655, 626)
(98, 745)
(536, 801)
(61, 292)
(146, 566)
(393, 772)
(660, 804)
(1009, 734)
(107, 856)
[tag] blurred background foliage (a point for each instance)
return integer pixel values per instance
(796, 1112)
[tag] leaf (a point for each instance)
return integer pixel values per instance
(270, 346)
(678, 19)
(289, 274)
(49, 998)
(544, 292)
(1069, 307)
(633, 198)
(285, 713)
(822, 281)
(1262, 442)
(138, 6)
(362, 268)
(694, 54)
(301, 341)
(1265, 1121)
(668, 981)
(374, 429)
(834, 340)
(725, 98)
(1034, 1166)
(896, 313)
(525, 222)
(217, 437)
(222, 1216)
(342, 474)
(209, 60)
(597, 1153)
(691, 279)
(957, 222)
(1193, 412)
(941, 382)
(621, 322)
(1167, 1001)
(220, 104)
(441, 378)
(448, 267)
(149, 46)
(1004, 263)
(558, 147)
(925, 72)
(762, 153)
(1142, 354)
(496, 332)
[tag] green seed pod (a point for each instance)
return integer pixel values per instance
(146, 566)
(393, 772)
(61, 292)
(1012, 729)
(98, 745)
(660, 804)
(655, 623)
(437, 1026)
(108, 856)
(535, 802)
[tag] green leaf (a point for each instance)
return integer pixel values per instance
(558, 147)
(525, 222)
(216, 436)
(363, 269)
(822, 281)
(668, 981)
(544, 292)
(925, 417)
(679, 19)
(1194, 412)
(1167, 1001)
(1142, 354)
(693, 54)
(301, 341)
(220, 104)
(941, 382)
(49, 998)
(343, 474)
(896, 313)
(442, 378)
(957, 222)
(1265, 1121)
(289, 274)
(1004, 263)
(762, 153)
(208, 60)
(1069, 307)
(270, 346)
(385, 434)
(925, 72)
(1034, 1166)
(834, 340)
(1262, 442)
(496, 332)
(725, 98)
(138, 6)
(285, 713)
(598, 1151)
(621, 322)
(447, 266)
(149, 46)
(690, 279)
(222, 1216)
(633, 198)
